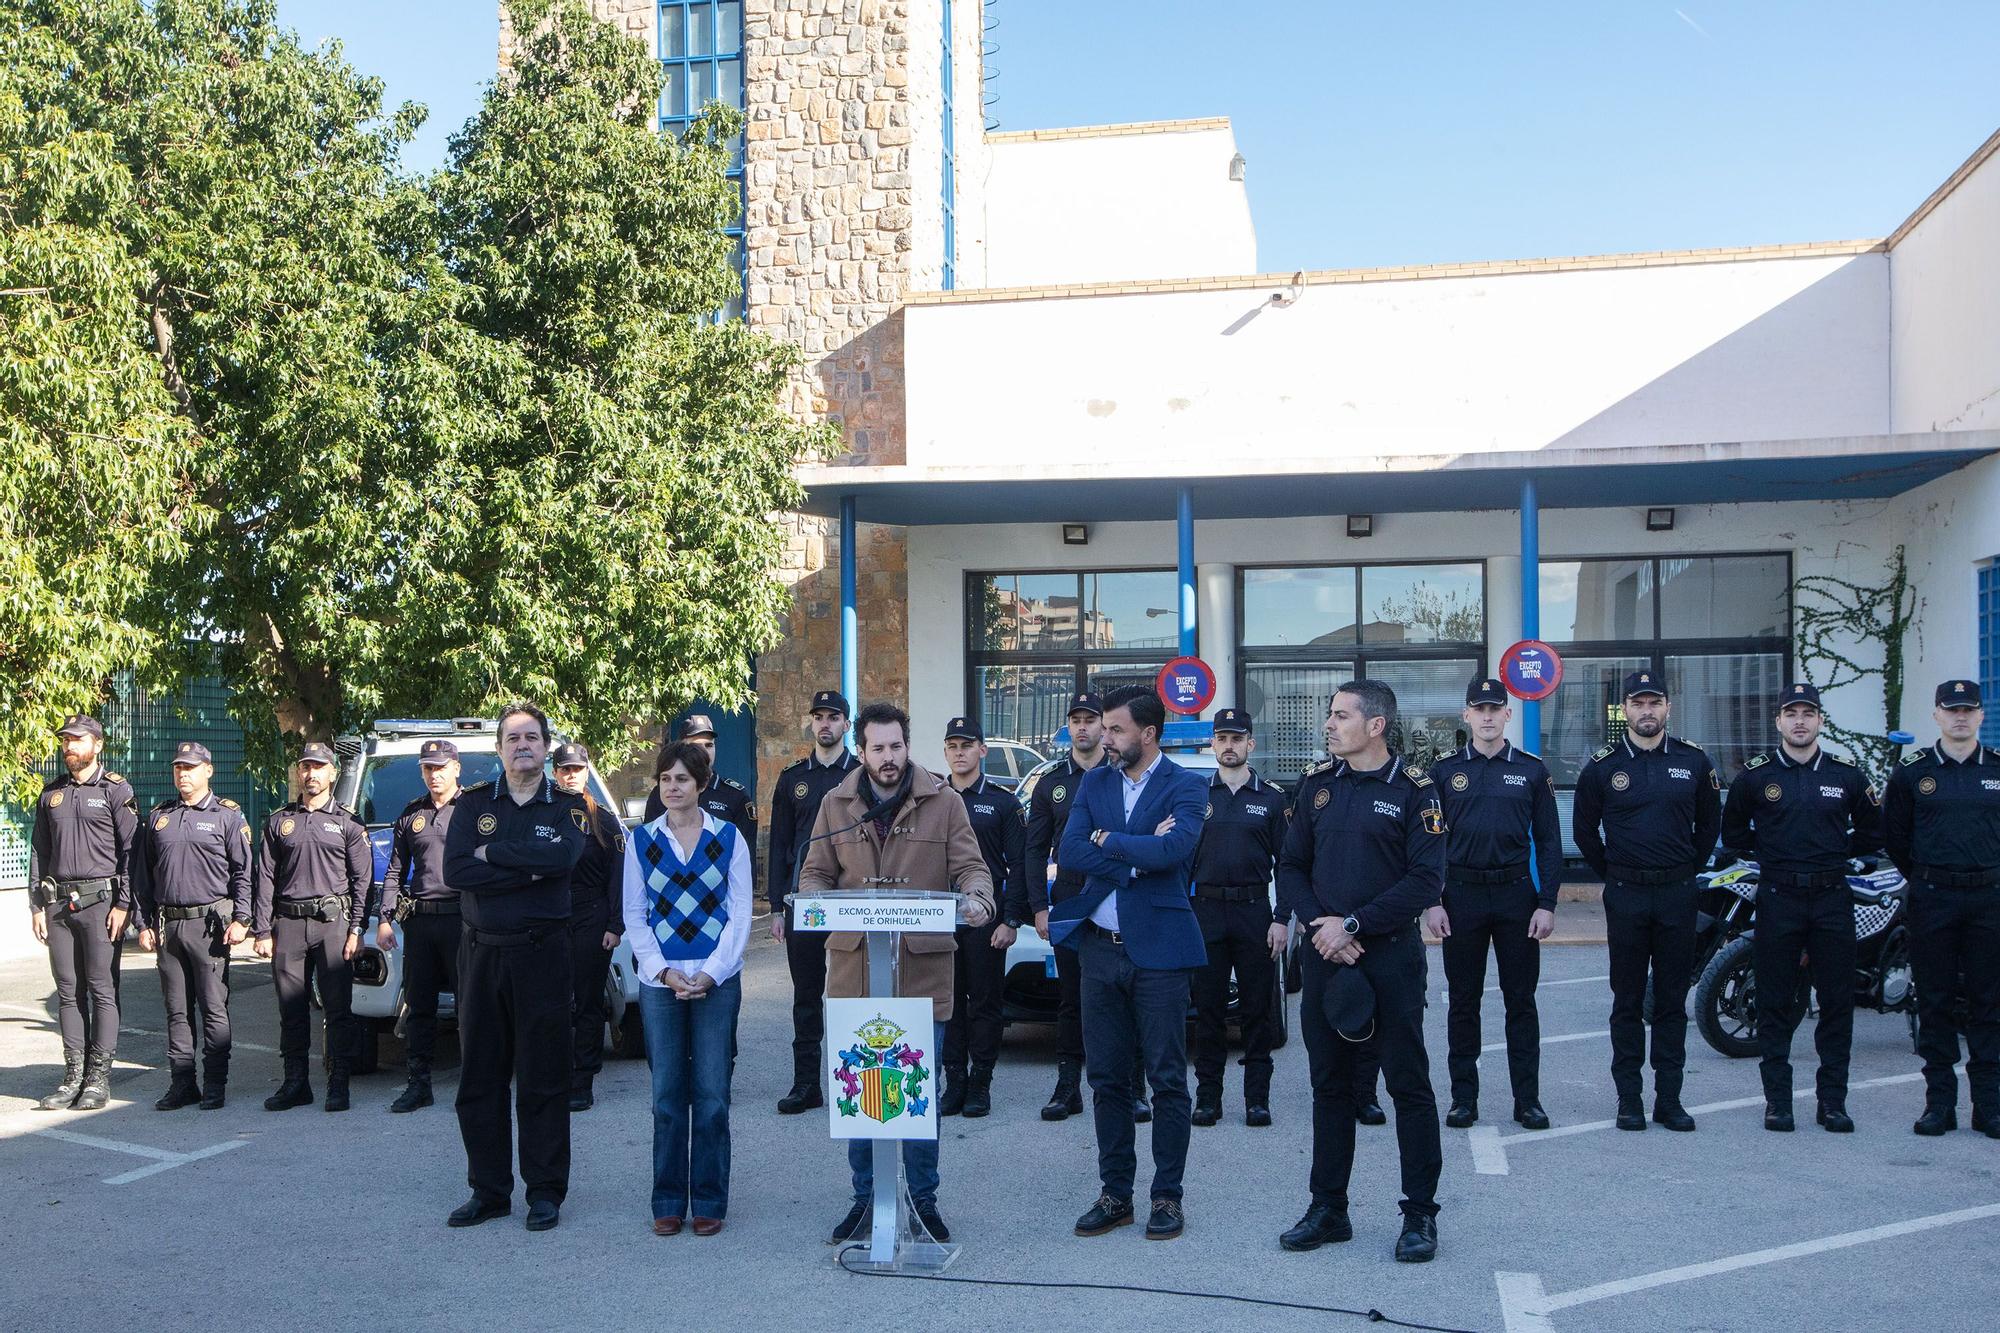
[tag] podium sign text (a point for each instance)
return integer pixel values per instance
(860, 911)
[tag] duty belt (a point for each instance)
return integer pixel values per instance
(310, 909)
(1818, 879)
(169, 912)
(1946, 877)
(1636, 876)
(1234, 893)
(515, 939)
(1468, 875)
(409, 907)
(74, 894)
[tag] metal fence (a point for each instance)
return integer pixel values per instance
(140, 733)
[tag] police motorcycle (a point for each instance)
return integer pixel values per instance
(1725, 992)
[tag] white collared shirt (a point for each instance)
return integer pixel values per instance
(1106, 915)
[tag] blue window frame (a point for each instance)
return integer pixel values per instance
(950, 188)
(1989, 648)
(701, 51)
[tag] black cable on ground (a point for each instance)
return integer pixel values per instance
(1372, 1316)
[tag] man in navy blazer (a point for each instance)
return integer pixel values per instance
(1132, 833)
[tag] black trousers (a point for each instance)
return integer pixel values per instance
(805, 955)
(1127, 1006)
(1818, 923)
(430, 966)
(194, 971)
(299, 946)
(590, 964)
(514, 1037)
(1237, 936)
(1492, 918)
(1394, 966)
(1954, 945)
(1069, 1005)
(1651, 929)
(978, 979)
(84, 962)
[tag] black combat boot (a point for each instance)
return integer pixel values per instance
(96, 1089)
(336, 1084)
(65, 1094)
(952, 1100)
(979, 1092)
(1067, 1099)
(418, 1094)
(296, 1090)
(805, 1094)
(181, 1090)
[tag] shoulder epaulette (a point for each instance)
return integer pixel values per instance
(1690, 744)
(732, 782)
(1756, 761)
(226, 803)
(1916, 756)
(171, 800)
(114, 777)
(1605, 753)
(50, 784)
(480, 786)
(800, 762)
(1416, 775)
(1527, 754)
(1323, 766)
(1844, 763)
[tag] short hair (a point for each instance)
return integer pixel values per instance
(1377, 700)
(1143, 704)
(694, 758)
(516, 709)
(879, 713)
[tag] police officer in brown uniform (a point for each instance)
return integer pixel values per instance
(310, 907)
(81, 896)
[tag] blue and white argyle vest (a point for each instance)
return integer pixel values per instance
(687, 902)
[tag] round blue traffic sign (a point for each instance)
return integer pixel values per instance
(1186, 685)
(1531, 670)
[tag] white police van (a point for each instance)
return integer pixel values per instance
(379, 776)
(1032, 991)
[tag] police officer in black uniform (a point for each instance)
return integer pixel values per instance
(596, 921)
(417, 896)
(1240, 923)
(979, 968)
(1500, 804)
(725, 798)
(80, 898)
(1941, 824)
(794, 807)
(314, 869)
(191, 875)
(1801, 813)
(1048, 814)
(510, 851)
(1363, 857)
(1648, 809)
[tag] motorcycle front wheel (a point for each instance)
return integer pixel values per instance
(1725, 999)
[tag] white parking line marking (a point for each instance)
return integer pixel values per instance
(162, 1159)
(1526, 1307)
(1489, 1146)
(1550, 1041)
(1566, 981)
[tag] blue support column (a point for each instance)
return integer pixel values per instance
(1186, 525)
(1531, 601)
(850, 659)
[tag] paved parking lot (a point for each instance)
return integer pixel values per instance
(183, 1219)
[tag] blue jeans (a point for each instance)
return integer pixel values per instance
(920, 1156)
(691, 1047)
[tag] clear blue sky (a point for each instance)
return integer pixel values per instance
(1397, 133)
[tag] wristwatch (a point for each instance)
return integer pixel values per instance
(1352, 925)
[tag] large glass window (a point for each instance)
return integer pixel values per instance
(948, 193)
(701, 58)
(1419, 628)
(1035, 639)
(1717, 627)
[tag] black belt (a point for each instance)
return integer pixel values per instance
(515, 939)
(1818, 879)
(1634, 876)
(71, 894)
(1234, 893)
(1947, 878)
(309, 909)
(431, 906)
(1115, 936)
(170, 912)
(1469, 875)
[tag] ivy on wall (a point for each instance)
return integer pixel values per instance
(1834, 617)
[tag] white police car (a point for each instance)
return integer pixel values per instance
(379, 776)
(1032, 991)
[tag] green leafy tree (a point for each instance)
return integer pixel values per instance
(92, 455)
(449, 440)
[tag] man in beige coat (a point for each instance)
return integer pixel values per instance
(892, 826)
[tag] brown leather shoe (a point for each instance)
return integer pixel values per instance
(666, 1226)
(707, 1226)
